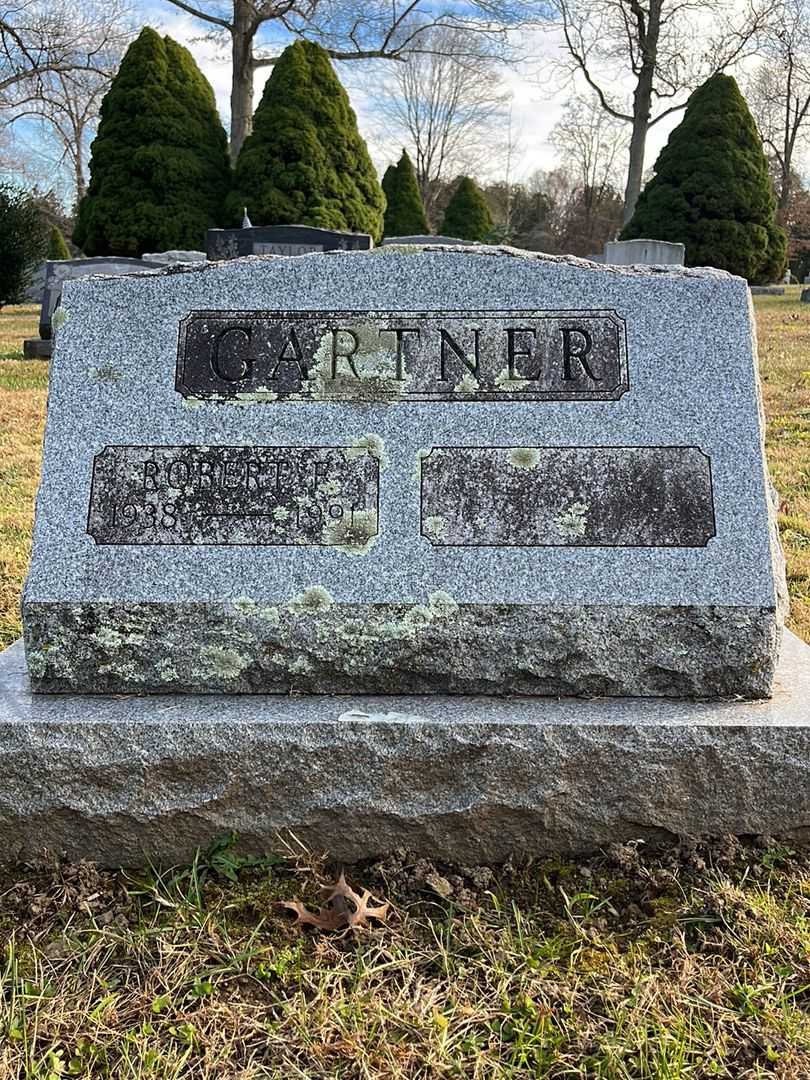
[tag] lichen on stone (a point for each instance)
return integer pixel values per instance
(442, 604)
(353, 534)
(245, 605)
(364, 372)
(311, 601)
(467, 384)
(573, 522)
(222, 663)
(106, 373)
(434, 527)
(507, 382)
(523, 457)
(367, 444)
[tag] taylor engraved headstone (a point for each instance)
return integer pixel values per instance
(467, 472)
(281, 240)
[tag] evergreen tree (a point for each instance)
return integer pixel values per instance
(57, 248)
(306, 163)
(467, 215)
(23, 242)
(711, 189)
(159, 172)
(405, 211)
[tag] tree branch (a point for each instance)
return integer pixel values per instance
(201, 14)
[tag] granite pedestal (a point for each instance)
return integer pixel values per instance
(470, 779)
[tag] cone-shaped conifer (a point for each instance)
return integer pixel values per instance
(159, 171)
(405, 211)
(711, 189)
(57, 248)
(467, 215)
(305, 162)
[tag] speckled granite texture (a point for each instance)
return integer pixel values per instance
(461, 778)
(564, 619)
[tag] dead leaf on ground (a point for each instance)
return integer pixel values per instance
(344, 909)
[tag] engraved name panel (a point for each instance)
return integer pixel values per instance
(378, 356)
(255, 495)
(561, 496)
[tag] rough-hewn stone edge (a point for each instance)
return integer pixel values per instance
(312, 644)
(119, 779)
(417, 250)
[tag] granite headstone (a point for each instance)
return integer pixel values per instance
(483, 472)
(643, 252)
(58, 272)
(281, 240)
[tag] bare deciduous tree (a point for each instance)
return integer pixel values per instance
(40, 38)
(662, 48)
(779, 91)
(59, 60)
(375, 29)
(591, 145)
(443, 103)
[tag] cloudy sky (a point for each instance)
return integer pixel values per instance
(536, 101)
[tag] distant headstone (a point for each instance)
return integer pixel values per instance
(168, 258)
(281, 240)
(805, 296)
(426, 238)
(37, 348)
(429, 471)
(767, 290)
(644, 253)
(56, 273)
(36, 286)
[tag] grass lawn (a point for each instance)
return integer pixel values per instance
(683, 963)
(689, 963)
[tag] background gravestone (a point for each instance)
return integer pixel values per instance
(430, 471)
(281, 240)
(167, 258)
(56, 273)
(643, 252)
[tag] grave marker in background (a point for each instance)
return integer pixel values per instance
(281, 240)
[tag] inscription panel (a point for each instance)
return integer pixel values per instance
(377, 356)
(552, 496)
(255, 495)
(285, 249)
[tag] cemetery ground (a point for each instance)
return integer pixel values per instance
(687, 960)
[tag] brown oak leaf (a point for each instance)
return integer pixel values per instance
(344, 909)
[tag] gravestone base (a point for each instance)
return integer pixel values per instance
(37, 348)
(467, 779)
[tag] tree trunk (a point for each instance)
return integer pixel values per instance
(635, 170)
(242, 35)
(642, 106)
(81, 183)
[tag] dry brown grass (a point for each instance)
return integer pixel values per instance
(784, 353)
(687, 964)
(23, 393)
